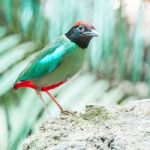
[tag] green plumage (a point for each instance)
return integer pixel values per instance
(57, 62)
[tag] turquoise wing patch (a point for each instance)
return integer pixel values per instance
(44, 65)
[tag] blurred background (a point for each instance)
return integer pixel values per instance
(116, 70)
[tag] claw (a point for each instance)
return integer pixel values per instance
(69, 112)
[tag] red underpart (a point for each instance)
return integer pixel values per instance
(29, 84)
(84, 24)
(52, 86)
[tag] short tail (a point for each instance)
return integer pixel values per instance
(24, 84)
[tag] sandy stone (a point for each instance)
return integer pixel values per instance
(99, 128)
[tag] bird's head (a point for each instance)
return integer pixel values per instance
(81, 33)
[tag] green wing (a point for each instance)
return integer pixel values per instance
(48, 59)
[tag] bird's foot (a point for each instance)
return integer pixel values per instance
(69, 112)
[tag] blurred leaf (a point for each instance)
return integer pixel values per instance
(23, 118)
(9, 42)
(138, 47)
(9, 77)
(18, 52)
(8, 11)
(2, 31)
(3, 129)
(26, 12)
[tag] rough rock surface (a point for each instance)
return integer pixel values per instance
(100, 127)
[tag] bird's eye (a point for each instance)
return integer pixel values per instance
(80, 29)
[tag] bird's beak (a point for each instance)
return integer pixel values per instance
(92, 33)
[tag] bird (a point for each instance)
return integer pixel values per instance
(56, 63)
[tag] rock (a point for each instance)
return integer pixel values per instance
(100, 127)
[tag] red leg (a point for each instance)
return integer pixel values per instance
(55, 101)
(41, 98)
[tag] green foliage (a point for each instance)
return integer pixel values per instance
(28, 25)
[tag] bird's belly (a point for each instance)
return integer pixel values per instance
(69, 66)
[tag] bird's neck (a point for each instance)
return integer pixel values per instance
(81, 42)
